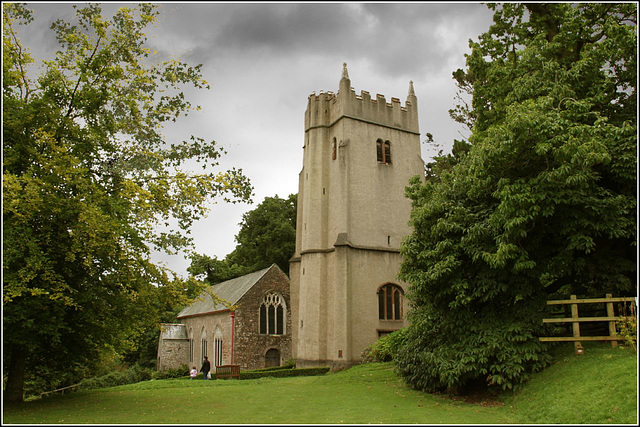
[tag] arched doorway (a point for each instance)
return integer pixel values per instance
(272, 358)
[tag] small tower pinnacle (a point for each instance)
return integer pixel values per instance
(411, 91)
(345, 73)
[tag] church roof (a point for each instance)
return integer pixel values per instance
(230, 291)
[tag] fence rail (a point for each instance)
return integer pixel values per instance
(61, 390)
(575, 319)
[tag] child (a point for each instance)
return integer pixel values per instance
(194, 372)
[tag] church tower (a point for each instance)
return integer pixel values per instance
(359, 154)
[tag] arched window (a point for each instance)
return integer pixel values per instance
(203, 345)
(390, 302)
(217, 347)
(383, 151)
(272, 314)
(191, 345)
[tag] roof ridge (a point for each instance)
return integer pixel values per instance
(263, 272)
(225, 291)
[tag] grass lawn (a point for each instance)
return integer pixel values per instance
(599, 387)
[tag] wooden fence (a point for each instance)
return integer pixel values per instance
(61, 390)
(575, 319)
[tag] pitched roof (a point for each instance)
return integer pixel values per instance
(231, 291)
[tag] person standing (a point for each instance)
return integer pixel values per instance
(206, 367)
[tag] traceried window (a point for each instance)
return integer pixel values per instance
(390, 302)
(191, 345)
(217, 347)
(203, 345)
(272, 314)
(383, 151)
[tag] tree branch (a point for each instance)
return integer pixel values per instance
(75, 90)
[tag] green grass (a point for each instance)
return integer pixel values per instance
(599, 387)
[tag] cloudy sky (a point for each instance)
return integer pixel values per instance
(263, 60)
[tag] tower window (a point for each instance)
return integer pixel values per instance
(272, 315)
(390, 302)
(335, 149)
(383, 151)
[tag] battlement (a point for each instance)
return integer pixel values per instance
(326, 108)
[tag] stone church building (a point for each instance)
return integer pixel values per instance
(249, 326)
(359, 154)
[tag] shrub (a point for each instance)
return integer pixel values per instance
(385, 348)
(292, 372)
(289, 364)
(171, 373)
(132, 375)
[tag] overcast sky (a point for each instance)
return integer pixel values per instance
(263, 60)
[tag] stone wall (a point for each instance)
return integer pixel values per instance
(250, 346)
(198, 327)
(172, 353)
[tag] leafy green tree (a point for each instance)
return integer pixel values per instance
(213, 270)
(267, 235)
(87, 179)
(543, 204)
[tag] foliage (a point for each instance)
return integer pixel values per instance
(213, 270)
(267, 235)
(129, 376)
(171, 373)
(627, 327)
(444, 162)
(88, 183)
(542, 204)
(281, 373)
(288, 364)
(385, 348)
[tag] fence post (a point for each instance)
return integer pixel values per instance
(577, 345)
(612, 323)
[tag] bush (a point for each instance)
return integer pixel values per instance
(290, 372)
(289, 364)
(446, 354)
(171, 373)
(385, 348)
(132, 375)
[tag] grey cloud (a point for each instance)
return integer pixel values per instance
(384, 34)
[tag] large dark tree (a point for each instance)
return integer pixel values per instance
(87, 179)
(543, 203)
(267, 235)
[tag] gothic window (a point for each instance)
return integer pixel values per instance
(217, 347)
(191, 345)
(272, 314)
(203, 345)
(390, 302)
(383, 151)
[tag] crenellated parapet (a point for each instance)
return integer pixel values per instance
(326, 108)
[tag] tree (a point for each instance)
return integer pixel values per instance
(87, 179)
(213, 270)
(267, 235)
(543, 204)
